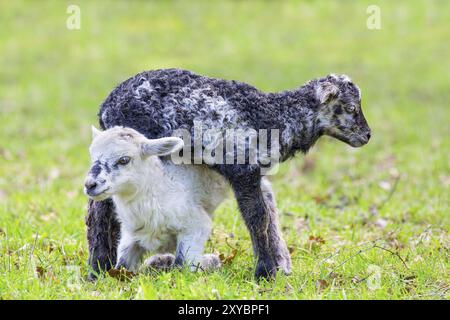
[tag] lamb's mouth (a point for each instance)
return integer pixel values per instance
(353, 140)
(358, 141)
(100, 195)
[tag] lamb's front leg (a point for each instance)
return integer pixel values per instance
(190, 244)
(129, 252)
(257, 216)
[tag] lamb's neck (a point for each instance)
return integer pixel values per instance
(137, 209)
(144, 190)
(294, 113)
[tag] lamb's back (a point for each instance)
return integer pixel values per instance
(157, 102)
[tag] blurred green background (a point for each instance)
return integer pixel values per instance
(336, 204)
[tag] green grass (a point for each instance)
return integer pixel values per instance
(369, 223)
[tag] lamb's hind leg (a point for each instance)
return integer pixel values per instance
(190, 244)
(166, 262)
(276, 241)
(160, 262)
(210, 261)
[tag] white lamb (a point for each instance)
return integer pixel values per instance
(161, 206)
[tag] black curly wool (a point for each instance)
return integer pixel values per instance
(160, 101)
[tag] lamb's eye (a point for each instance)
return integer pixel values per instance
(123, 161)
(350, 108)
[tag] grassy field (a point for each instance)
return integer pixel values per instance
(369, 223)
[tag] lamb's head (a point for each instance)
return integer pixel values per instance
(340, 114)
(119, 157)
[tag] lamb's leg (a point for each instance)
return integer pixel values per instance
(103, 231)
(246, 185)
(276, 241)
(129, 253)
(190, 244)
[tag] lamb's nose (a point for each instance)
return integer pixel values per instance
(90, 184)
(369, 134)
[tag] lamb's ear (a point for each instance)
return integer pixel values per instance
(161, 147)
(327, 92)
(95, 132)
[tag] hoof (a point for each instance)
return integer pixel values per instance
(91, 277)
(160, 262)
(284, 265)
(265, 270)
(210, 262)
